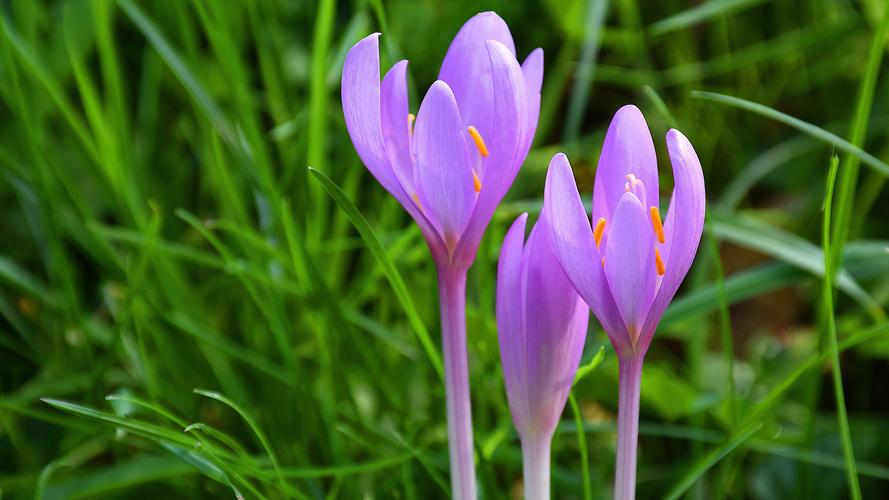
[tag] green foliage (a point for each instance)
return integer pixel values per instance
(162, 232)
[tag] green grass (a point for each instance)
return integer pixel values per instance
(204, 294)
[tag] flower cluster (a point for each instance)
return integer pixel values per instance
(449, 167)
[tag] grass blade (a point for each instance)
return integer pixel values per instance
(805, 127)
(831, 334)
(711, 459)
(394, 277)
(253, 427)
(699, 13)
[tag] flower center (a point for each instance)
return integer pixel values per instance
(637, 187)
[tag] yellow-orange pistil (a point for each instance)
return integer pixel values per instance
(482, 150)
(657, 224)
(599, 230)
(479, 142)
(410, 122)
(476, 182)
(658, 263)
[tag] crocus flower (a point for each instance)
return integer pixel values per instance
(541, 324)
(628, 264)
(449, 170)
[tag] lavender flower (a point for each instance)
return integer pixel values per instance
(628, 265)
(542, 324)
(449, 170)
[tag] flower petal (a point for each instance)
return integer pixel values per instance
(628, 149)
(630, 262)
(501, 166)
(467, 68)
(572, 241)
(442, 174)
(532, 68)
(361, 109)
(685, 223)
(396, 127)
(556, 322)
(510, 316)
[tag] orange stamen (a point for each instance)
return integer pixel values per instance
(410, 122)
(658, 225)
(599, 231)
(416, 199)
(477, 182)
(658, 263)
(479, 142)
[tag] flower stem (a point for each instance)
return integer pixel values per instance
(535, 459)
(627, 428)
(452, 294)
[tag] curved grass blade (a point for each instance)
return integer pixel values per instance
(394, 277)
(253, 427)
(757, 235)
(147, 405)
(145, 429)
(805, 127)
(584, 370)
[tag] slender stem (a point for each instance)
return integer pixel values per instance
(452, 293)
(535, 459)
(627, 428)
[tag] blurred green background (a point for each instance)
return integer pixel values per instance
(169, 263)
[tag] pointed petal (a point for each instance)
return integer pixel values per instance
(630, 262)
(396, 128)
(572, 241)
(442, 174)
(684, 225)
(467, 68)
(361, 109)
(533, 71)
(628, 149)
(556, 320)
(510, 314)
(504, 145)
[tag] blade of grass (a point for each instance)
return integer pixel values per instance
(758, 235)
(710, 459)
(583, 79)
(805, 127)
(831, 336)
(848, 176)
(253, 427)
(581, 446)
(394, 277)
(699, 13)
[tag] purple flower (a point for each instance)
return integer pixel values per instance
(542, 324)
(451, 168)
(628, 264)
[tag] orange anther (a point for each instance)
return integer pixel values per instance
(657, 224)
(658, 263)
(599, 230)
(479, 142)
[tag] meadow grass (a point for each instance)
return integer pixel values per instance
(203, 293)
